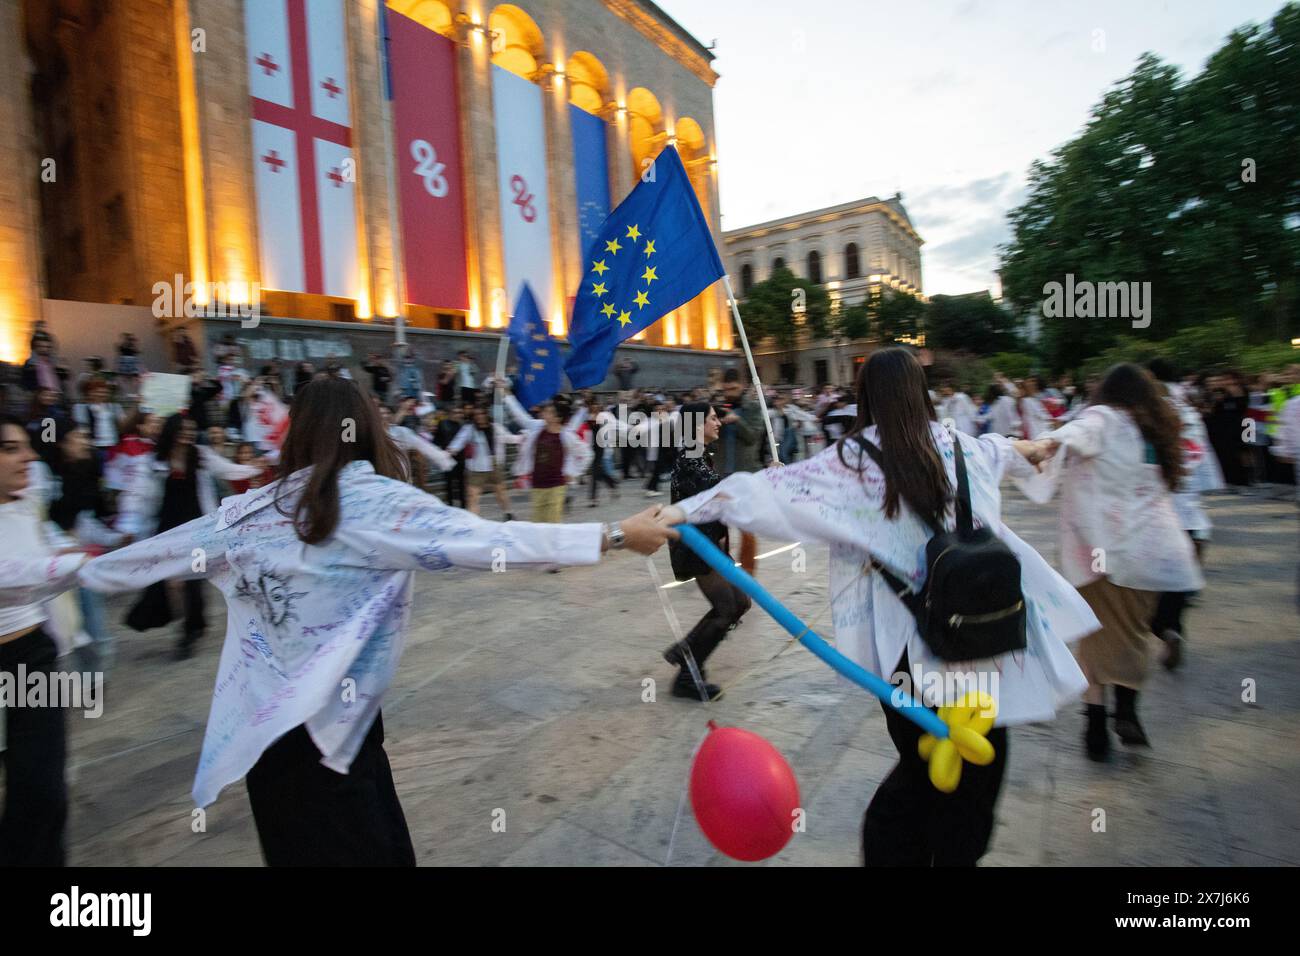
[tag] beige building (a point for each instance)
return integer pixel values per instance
(850, 249)
(128, 142)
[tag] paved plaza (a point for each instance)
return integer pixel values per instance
(522, 692)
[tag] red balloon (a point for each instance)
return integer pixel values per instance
(744, 794)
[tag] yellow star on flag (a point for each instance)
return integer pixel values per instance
(649, 246)
(633, 233)
(624, 318)
(613, 246)
(649, 275)
(599, 267)
(598, 288)
(608, 309)
(542, 352)
(642, 300)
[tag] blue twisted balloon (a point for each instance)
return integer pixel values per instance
(926, 719)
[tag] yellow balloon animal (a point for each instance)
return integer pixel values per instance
(969, 721)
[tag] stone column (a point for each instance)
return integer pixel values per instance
(226, 141)
(20, 255)
(566, 241)
(372, 149)
(479, 159)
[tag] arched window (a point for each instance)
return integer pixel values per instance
(746, 279)
(778, 264)
(433, 14)
(645, 128)
(851, 268)
(815, 267)
(588, 82)
(517, 42)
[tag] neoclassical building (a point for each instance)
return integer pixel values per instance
(850, 249)
(351, 165)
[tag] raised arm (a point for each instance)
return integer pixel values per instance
(191, 550)
(520, 414)
(29, 580)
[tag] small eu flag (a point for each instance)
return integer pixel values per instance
(539, 354)
(654, 253)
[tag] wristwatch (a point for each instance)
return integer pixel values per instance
(615, 536)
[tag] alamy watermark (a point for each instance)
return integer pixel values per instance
(636, 429)
(74, 690)
(1098, 300)
(209, 300)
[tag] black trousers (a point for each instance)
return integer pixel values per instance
(36, 795)
(727, 605)
(309, 815)
(456, 486)
(910, 823)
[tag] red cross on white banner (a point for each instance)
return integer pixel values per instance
(301, 125)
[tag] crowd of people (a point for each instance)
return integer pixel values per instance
(100, 493)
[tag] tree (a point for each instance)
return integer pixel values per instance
(772, 309)
(969, 323)
(1167, 184)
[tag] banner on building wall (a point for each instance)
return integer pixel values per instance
(590, 172)
(522, 183)
(304, 170)
(431, 188)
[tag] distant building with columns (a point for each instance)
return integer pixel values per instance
(342, 163)
(850, 249)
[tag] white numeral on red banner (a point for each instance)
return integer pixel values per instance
(428, 168)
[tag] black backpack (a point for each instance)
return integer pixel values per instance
(971, 606)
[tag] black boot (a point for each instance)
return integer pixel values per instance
(1126, 719)
(1097, 738)
(685, 686)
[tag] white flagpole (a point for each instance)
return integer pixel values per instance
(753, 371)
(503, 346)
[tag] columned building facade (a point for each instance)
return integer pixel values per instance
(176, 141)
(851, 249)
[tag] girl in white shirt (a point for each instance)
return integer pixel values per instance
(32, 573)
(317, 570)
(1122, 544)
(484, 442)
(843, 498)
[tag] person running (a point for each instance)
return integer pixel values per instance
(551, 452)
(317, 569)
(692, 474)
(177, 489)
(884, 512)
(483, 443)
(1121, 543)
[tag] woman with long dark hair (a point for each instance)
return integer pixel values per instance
(1122, 544)
(693, 473)
(179, 488)
(317, 569)
(882, 514)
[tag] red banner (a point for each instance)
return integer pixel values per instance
(431, 190)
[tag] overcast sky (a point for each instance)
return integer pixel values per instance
(947, 101)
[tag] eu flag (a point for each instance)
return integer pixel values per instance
(654, 253)
(539, 354)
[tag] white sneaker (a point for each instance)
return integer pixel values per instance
(654, 494)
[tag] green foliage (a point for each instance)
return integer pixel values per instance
(969, 323)
(768, 310)
(1158, 188)
(1012, 364)
(1214, 345)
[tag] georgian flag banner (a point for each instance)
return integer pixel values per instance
(304, 171)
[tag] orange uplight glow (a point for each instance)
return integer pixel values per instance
(192, 157)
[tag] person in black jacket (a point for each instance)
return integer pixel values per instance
(693, 473)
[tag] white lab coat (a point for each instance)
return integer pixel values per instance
(1117, 517)
(577, 453)
(827, 500)
(306, 620)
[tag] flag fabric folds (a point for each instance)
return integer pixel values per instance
(654, 253)
(539, 354)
